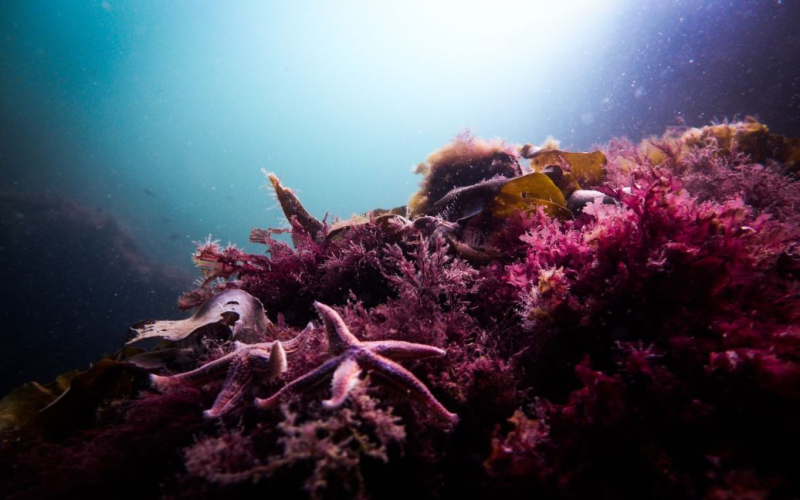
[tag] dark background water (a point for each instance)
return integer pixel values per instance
(130, 129)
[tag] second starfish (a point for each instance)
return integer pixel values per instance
(352, 356)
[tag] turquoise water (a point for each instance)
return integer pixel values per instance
(164, 113)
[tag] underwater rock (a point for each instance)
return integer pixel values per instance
(75, 278)
(233, 314)
(556, 177)
(581, 197)
(466, 161)
(748, 136)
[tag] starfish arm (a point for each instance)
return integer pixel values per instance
(276, 362)
(406, 381)
(290, 345)
(339, 336)
(295, 343)
(301, 384)
(201, 375)
(240, 376)
(240, 346)
(345, 378)
(401, 350)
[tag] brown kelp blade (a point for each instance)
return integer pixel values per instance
(588, 168)
(527, 192)
(71, 401)
(23, 403)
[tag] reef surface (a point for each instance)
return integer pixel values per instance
(619, 324)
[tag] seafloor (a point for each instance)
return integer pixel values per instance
(614, 324)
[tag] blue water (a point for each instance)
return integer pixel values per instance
(164, 113)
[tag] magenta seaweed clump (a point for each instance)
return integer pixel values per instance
(645, 345)
(680, 319)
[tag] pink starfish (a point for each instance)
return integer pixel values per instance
(352, 356)
(265, 359)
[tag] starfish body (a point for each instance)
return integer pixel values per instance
(352, 356)
(264, 361)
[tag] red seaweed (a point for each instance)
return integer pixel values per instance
(645, 348)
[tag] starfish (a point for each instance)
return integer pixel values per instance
(267, 360)
(352, 356)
